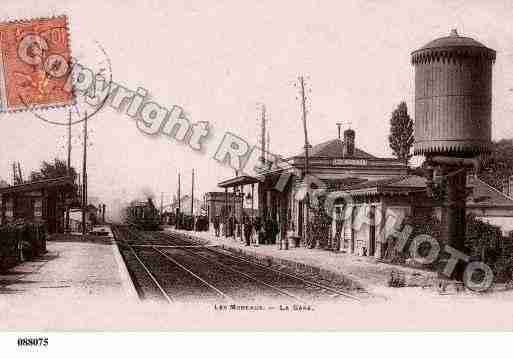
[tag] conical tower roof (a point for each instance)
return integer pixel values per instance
(450, 46)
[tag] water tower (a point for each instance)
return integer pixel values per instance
(453, 99)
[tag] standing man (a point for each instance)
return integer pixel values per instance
(248, 229)
(236, 228)
(231, 224)
(258, 231)
(268, 230)
(216, 225)
(276, 229)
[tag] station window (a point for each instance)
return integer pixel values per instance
(38, 208)
(9, 208)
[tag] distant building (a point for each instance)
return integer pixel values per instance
(223, 205)
(40, 201)
(185, 205)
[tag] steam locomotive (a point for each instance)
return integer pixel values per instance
(144, 215)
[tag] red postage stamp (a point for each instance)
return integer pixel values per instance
(34, 64)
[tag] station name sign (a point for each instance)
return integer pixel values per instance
(335, 162)
(349, 161)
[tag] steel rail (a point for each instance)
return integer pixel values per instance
(169, 299)
(322, 286)
(246, 275)
(167, 256)
(181, 266)
(172, 246)
(318, 285)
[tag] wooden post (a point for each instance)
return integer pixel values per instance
(242, 212)
(306, 164)
(84, 180)
(192, 194)
(252, 199)
(178, 213)
(233, 210)
(225, 227)
(69, 170)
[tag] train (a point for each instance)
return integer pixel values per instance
(143, 215)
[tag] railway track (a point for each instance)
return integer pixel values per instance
(159, 277)
(233, 259)
(156, 259)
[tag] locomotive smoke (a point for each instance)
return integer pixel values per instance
(148, 193)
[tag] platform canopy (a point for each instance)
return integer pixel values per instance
(238, 181)
(37, 185)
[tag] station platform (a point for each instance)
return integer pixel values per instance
(77, 274)
(365, 272)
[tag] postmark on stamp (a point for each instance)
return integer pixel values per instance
(34, 64)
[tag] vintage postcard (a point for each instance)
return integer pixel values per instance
(291, 165)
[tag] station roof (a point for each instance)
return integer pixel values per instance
(237, 181)
(399, 184)
(37, 185)
(482, 194)
(334, 149)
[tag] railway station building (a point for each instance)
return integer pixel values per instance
(280, 194)
(378, 188)
(453, 110)
(397, 198)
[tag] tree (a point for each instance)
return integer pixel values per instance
(50, 170)
(401, 133)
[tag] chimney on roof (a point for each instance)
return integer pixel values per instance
(339, 126)
(349, 136)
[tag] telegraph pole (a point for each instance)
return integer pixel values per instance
(303, 107)
(268, 151)
(161, 203)
(84, 179)
(69, 168)
(177, 219)
(192, 194)
(179, 200)
(306, 167)
(263, 134)
(14, 175)
(19, 172)
(69, 143)
(339, 126)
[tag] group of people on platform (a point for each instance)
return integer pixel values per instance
(255, 230)
(190, 223)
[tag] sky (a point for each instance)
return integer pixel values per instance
(219, 60)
